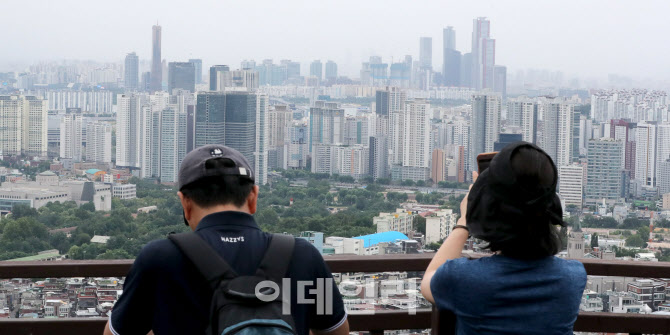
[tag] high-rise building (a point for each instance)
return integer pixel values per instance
(505, 140)
(378, 157)
(416, 151)
(645, 154)
(247, 79)
(128, 131)
(181, 75)
(24, 124)
(358, 129)
(326, 124)
(485, 124)
(448, 38)
(557, 132)
(439, 225)
(131, 72)
(483, 55)
(451, 70)
(664, 177)
(169, 126)
(156, 60)
(571, 184)
(466, 70)
(662, 149)
(396, 108)
(316, 69)
(296, 148)
(99, 142)
(214, 76)
(426, 53)
(331, 70)
(603, 172)
(437, 166)
(500, 80)
(292, 69)
(279, 120)
(197, 64)
(236, 119)
(71, 135)
(619, 130)
(145, 85)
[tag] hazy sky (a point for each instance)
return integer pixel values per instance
(582, 37)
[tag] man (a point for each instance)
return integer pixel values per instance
(165, 293)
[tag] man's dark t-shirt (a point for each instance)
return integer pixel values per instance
(164, 292)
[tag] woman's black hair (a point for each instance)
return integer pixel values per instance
(514, 207)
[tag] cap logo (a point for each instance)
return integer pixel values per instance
(216, 152)
(243, 171)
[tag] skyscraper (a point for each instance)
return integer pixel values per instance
(326, 124)
(448, 38)
(604, 175)
(483, 55)
(70, 135)
(128, 131)
(437, 166)
(416, 151)
(169, 126)
(645, 154)
(451, 70)
(426, 53)
(248, 79)
(197, 64)
(99, 142)
(156, 61)
(131, 72)
(378, 157)
(485, 124)
(181, 75)
(237, 120)
(331, 70)
(466, 70)
(316, 69)
(500, 80)
(214, 75)
(571, 184)
(557, 132)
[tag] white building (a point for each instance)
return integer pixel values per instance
(400, 221)
(439, 225)
(645, 154)
(557, 130)
(124, 191)
(343, 245)
(24, 122)
(484, 124)
(571, 184)
(99, 142)
(96, 102)
(416, 145)
(71, 136)
(170, 143)
(129, 134)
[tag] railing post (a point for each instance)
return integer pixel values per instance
(376, 332)
(442, 322)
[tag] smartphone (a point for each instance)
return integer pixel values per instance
(484, 160)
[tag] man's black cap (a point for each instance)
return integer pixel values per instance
(195, 165)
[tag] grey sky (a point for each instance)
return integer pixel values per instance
(586, 38)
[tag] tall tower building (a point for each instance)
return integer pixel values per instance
(604, 175)
(437, 166)
(23, 120)
(316, 69)
(156, 60)
(169, 126)
(214, 75)
(571, 184)
(416, 151)
(557, 132)
(485, 124)
(662, 149)
(449, 38)
(426, 53)
(378, 157)
(645, 154)
(331, 70)
(99, 142)
(197, 64)
(238, 120)
(131, 72)
(326, 124)
(483, 54)
(71, 135)
(181, 75)
(248, 79)
(500, 80)
(466, 70)
(128, 130)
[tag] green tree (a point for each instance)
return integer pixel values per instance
(22, 211)
(114, 254)
(634, 241)
(594, 241)
(75, 252)
(419, 223)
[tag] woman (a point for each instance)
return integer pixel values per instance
(523, 288)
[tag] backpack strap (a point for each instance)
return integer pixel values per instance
(210, 264)
(277, 257)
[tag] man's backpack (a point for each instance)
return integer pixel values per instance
(236, 307)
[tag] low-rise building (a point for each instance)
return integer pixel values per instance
(625, 302)
(648, 291)
(124, 191)
(439, 225)
(591, 302)
(400, 221)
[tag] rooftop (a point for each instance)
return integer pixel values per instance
(389, 236)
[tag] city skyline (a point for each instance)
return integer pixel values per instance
(520, 44)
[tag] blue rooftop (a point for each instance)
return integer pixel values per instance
(389, 236)
(92, 171)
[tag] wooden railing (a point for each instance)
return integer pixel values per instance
(375, 323)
